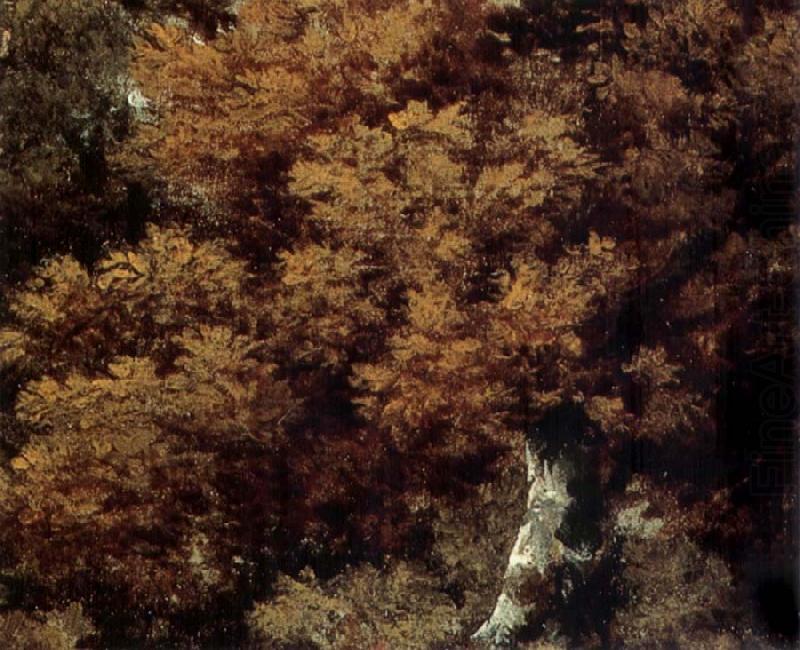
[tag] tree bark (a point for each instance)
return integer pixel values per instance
(537, 552)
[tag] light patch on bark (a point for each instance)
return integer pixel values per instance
(535, 550)
(140, 106)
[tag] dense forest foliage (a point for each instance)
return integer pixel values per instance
(297, 296)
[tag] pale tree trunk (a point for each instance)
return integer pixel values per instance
(537, 552)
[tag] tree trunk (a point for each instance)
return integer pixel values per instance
(537, 552)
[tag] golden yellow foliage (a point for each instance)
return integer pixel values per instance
(118, 441)
(133, 302)
(543, 302)
(399, 607)
(475, 227)
(64, 629)
(113, 451)
(57, 290)
(257, 88)
(324, 304)
(437, 377)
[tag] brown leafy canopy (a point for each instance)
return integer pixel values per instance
(675, 608)
(255, 90)
(324, 310)
(64, 629)
(431, 165)
(133, 303)
(122, 444)
(408, 195)
(399, 608)
(460, 261)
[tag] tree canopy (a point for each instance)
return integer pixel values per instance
(290, 288)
